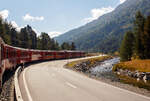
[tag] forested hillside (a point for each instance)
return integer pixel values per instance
(106, 33)
(27, 38)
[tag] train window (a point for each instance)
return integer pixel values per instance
(2, 52)
(60, 53)
(35, 53)
(48, 54)
(11, 53)
(22, 54)
(14, 53)
(7, 53)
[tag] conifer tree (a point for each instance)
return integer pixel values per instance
(14, 37)
(73, 47)
(45, 41)
(146, 38)
(24, 38)
(126, 49)
(138, 32)
(65, 46)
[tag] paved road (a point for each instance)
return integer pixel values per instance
(49, 81)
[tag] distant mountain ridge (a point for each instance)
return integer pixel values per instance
(105, 33)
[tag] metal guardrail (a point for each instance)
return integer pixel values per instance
(17, 88)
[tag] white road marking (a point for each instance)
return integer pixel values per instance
(124, 90)
(26, 87)
(71, 85)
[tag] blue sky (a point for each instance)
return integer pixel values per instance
(54, 16)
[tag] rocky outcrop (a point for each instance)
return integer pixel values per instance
(144, 76)
(85, 66)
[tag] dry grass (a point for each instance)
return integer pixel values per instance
(133, 81)
(72, 64)
(140, 65)
(93, 54)
(91, 60)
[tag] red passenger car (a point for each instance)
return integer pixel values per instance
(11, 57)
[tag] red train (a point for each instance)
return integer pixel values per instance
(11, 57)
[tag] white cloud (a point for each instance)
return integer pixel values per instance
(37, 32)
(4, 13)
(28, 17)
(54, 34)
(122, 1)
(15, 25)
(96, 13)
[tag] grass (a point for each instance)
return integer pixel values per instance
(140, 65)
(134, 82)
(91, 60)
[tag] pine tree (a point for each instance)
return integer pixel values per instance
(138, 32)
(24, 38)
(1, 28)
(6, 32)
(57, 47)
(146, 38)
(45, 41)
(73, 47)
(27, 38)
(14, 37)
(39, 43)
(65, 46)
(126, 49)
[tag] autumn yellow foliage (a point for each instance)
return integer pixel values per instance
(91, 60)
(140, 65)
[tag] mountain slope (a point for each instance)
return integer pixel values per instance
(105, 34)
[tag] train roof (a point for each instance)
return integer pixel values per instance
(36, 50)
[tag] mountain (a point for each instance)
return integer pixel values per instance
(105, 34)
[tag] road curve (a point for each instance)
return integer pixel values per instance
(49, 81)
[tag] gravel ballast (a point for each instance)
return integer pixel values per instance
(7, 93)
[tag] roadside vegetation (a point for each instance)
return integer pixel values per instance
(133, 81)
(134, 67)
(93, 54)
(91, 61)
(139, 65)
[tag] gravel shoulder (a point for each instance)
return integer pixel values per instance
(7, 93)
(124, 86)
